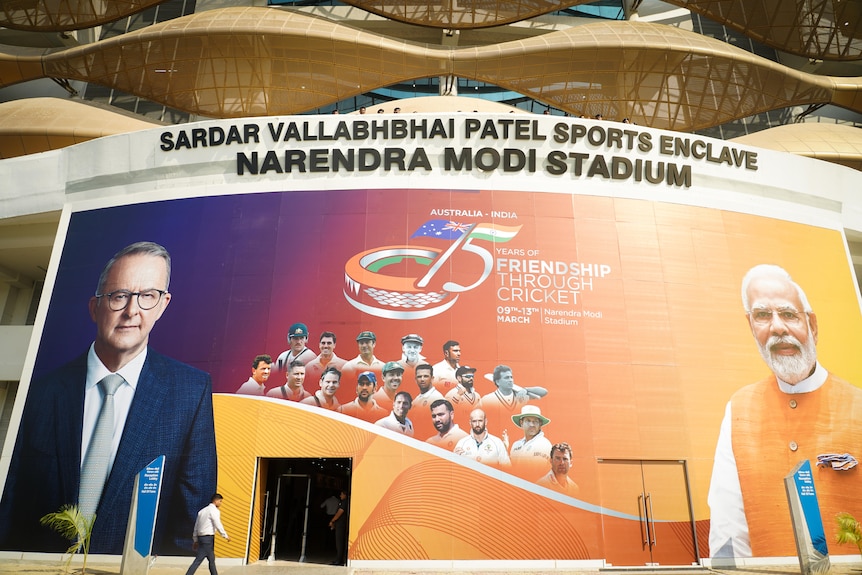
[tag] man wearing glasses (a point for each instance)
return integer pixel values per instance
(799, 412)
(89, 427)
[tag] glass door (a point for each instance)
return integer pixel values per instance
(647, 516)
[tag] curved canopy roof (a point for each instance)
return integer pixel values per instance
(827, 30)
(810, 28)
(59, 15)
(238, 62)
(40, 124)
(836, 143)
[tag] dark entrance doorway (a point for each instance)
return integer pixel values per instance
(295, 526)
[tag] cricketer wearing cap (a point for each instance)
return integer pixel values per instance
(411, 351)
(364, 407)
(297, 337)
(366, 341)
(392, 376)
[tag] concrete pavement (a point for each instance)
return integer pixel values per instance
(174, 566)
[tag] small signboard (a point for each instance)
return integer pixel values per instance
(807, 522)
(142, 519)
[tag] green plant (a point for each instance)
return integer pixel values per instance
(849, 530)
(70, 523)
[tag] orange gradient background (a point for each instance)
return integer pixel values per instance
(648, 380)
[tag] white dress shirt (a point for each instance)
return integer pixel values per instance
(728, 528)
(123, 397)
(208, 522)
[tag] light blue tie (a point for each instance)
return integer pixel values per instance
(94, 472)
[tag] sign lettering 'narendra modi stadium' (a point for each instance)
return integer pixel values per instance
(598, 150)
(600, 263)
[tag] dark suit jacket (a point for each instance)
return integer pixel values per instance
(171, 414)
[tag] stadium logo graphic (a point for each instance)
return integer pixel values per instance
(395, 282)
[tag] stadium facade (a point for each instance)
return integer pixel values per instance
(570, 191)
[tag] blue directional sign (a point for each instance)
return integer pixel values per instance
(149, 487)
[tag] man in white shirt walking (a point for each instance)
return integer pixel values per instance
(208, 522)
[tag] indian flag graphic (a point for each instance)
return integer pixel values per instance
(494, 232)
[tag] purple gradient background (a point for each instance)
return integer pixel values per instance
(245, 267)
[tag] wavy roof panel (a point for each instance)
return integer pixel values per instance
(822, 29)
(40, 124)
(236, 62)
(60, 15)
(834, 143)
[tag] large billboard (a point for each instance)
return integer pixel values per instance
(614, 322)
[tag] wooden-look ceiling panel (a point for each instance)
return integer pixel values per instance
(59, 15)
(822, 29)
(254, 61)
(40, 124)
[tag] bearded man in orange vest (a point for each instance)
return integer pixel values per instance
(799, 412)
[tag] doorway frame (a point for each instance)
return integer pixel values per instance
(326, 467)
(686, 480)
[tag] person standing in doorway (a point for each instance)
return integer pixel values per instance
(208, 522)
(330, 507)
(338, 523)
